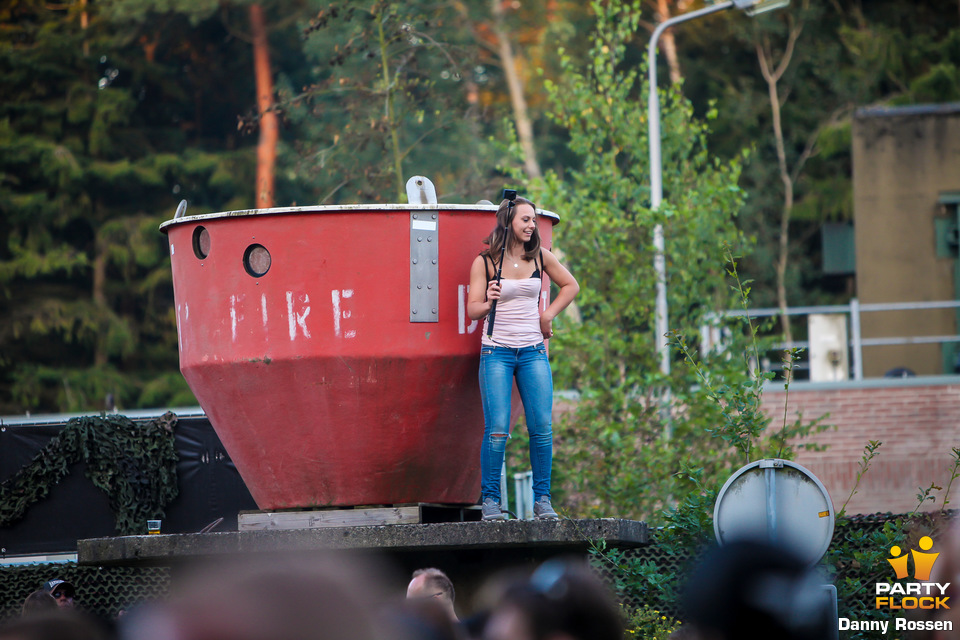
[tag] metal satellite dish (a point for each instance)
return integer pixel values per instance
(776, 501)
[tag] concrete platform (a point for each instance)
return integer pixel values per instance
(550, 537)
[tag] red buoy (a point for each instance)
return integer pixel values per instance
(331, 350)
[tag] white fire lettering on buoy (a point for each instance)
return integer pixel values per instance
(180, 330)
(298, 319)
(462, 291)
(234, 317)
(263, 308)
(336, 295)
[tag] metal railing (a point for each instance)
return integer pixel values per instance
(854, 310)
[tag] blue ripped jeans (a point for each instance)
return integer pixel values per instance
(530, 366)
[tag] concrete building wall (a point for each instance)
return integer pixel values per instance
(917, 422)
(903, 159)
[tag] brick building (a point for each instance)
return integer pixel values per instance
(917, 420)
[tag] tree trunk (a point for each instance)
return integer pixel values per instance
(785, 213)
(84, 23)
(269, 126)
(772, 77)
(515, 87)
(99, 294)
(389, 111)
(669, 44)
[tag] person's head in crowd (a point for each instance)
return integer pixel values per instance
(419, 619)
(266, 598)
(39, 600)
(755, 590)
(562, 600)
(432, 583)
(489, 594)
(62, 590)
(54, 624)
(473, 625)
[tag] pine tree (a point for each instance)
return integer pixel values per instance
(95, 131)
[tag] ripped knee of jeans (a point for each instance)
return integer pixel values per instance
(498, 441)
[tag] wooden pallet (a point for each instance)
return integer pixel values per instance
(356, 517)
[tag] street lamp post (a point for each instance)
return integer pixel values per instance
(752, 7)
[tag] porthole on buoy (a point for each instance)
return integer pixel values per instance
(256, 260)
(201, 242)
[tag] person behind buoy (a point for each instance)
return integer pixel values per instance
(505, 284)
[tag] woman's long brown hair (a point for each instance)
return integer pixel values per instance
(499, 235)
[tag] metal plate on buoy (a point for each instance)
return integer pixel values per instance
(778, 501)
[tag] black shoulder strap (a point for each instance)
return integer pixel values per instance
(485, 270)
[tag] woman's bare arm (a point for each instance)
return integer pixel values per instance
(482, 293)
(569, 288)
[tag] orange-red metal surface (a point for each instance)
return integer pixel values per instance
(322, 390)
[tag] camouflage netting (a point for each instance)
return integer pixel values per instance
(856, 532)
(666, 563)
(102, 591)
(863, 526)
(135, 464)
(105, 591)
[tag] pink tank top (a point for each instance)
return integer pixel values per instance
(517, 321)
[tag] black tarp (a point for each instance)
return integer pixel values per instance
(209, 484)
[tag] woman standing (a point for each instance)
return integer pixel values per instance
(515, 348)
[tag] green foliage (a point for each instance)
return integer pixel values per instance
(940, 84)
(869, 453)
(619, 452)
(689, 523)
(91, 166)
(847, 55)
(855, 561)
(743, 427)
(636, 579)
(858, 554)
(144, 10)
(392, 94)
(114, 108)
(169, 389)
(954, 474)
(135, 464)
(633, 427)
(648, 623)
(74, 388)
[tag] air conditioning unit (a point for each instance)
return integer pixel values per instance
(829, 353)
